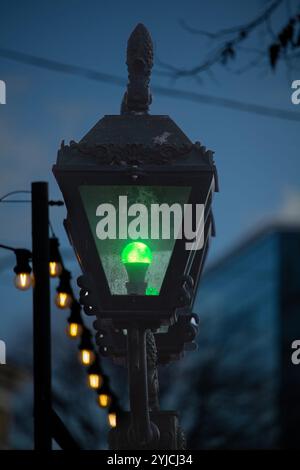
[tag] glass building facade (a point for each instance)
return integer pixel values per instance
(240, 389)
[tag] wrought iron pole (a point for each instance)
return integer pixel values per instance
(41, 317)
(143, 433)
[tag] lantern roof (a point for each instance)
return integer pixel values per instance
(135, 137)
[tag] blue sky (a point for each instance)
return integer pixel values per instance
(257, 157)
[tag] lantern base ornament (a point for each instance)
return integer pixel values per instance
(171, 343)
(142, 378)
(145, 427)
(171, 434)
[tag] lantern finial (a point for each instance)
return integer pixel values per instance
(139, 62)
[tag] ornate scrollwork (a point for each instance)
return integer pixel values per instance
(134, 154)
(129, 154)
(152, 373)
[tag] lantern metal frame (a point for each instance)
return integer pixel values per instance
(182, 263)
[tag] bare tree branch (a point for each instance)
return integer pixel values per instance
(229, 44)
(248, 27)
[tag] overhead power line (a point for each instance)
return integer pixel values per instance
(95, 75)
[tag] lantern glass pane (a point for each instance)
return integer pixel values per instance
(135, 229)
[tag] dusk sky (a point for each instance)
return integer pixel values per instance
(257, 157)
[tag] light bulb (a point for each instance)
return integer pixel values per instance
(104, 400)
(63, 300)
(87, 357)
(74, 330)
(112, 419)
(55, 268)
(136, 257)
(136, 252)
(23, 281)
(94, 381)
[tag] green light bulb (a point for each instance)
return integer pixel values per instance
(136, 252)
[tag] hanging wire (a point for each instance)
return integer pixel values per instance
(15, 201)
(11, 193)
(6, 247)
(18, 201)
(176, 93)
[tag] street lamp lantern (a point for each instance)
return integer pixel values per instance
(138, 195)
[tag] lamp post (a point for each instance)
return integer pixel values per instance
(138, 195)
(41, 317)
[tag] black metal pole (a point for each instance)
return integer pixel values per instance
(138, 387)
(143, 432)
(41, 317)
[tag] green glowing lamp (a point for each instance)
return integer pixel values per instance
(136, 252)
(136, 257)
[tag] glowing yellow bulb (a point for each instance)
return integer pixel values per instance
(112, 419)
(74, 330)
(55, 268)
(63, 300)
(23, 281)
(94, 381)
(104, 400)
(87, 357)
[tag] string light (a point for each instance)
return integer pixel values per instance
(112, 419)
(74, 330)
(64, 296)
(95, 379)
(75, 323)
(114, 413)
(104, 394)
(86, 352)
(23, 279)
(87, 357)
(104, 399)
(55, 264)
(63, 300)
